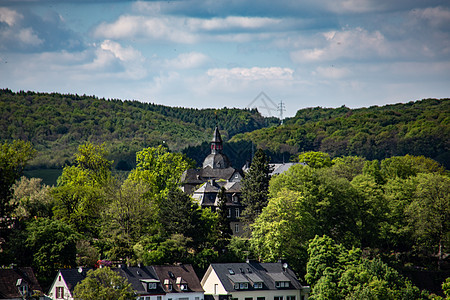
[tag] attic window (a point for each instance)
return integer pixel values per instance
(183, 287)
(171, 275)
(282, 284)
(230, 271)
(242, 270)
(258, 285)
(249, 270)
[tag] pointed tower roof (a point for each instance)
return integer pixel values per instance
(216, 160)
(216, 137)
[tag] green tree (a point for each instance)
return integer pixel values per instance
(223, 220)
(160, 169)
(53, 245)
(283, 230)
(31, 198)
(91, 167)
(429, 213)
(315, 159)
(129, 216)
(104, 284)
(255, 187)
(14, 156)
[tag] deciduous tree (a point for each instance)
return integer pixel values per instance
(104, 284)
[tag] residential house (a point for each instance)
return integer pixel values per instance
(149, 282)
(252, 281)
(19, 283)
(65, 282)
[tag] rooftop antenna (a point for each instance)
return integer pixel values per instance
(281, 108)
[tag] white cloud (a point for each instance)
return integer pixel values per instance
(332, 72)
(184, 29)
(9, 16)
(187, 61)
(356, 43)
(251, 74)
(435, 16)
(27, 36)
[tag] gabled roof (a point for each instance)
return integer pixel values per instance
(267, 273)
(176, 275)
(139, 276)
(9, 280)
(73, 276)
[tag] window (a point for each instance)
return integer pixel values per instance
(229, 213)
(243, 286)
(258, 285)
(169, 287)
(237, 212)
(230, 271)
(236, 227)
(23, 290)
(147, 298)
(261, 298)
(158, 298)
(183, 287)
(152, 285)
(282, 284)
(248, 298)
(278, 298)
(59, 292)
(290, 297)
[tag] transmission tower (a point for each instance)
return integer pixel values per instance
(281, 108)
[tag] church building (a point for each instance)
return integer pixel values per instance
(204, 184)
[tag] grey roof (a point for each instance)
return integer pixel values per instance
(216, 161)
(268, 273)
(216, 136)
(281, 168)
(73, 276)
(138, 276)
(180, 273)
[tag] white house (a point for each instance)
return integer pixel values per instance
(65, 282)
(252, 281)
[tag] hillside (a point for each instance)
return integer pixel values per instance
(416, 128)
(56, 124)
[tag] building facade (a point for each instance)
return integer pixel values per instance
(252, 281)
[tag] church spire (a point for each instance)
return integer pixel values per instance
(216, 142)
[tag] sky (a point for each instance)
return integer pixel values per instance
(233, 53)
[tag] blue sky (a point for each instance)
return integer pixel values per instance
(213, 53)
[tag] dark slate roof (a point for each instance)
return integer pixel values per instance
(73, 276)
(137, 276)
(8, 281)
(216, 161)
(184, 272)
(216, 137)
(268, 273)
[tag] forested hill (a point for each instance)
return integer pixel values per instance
(57, 123)
(416, 128)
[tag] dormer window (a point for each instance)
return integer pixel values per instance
(257, 285)
(241, 286)
(150, 284)
(282, 284)
(183, 287)
(230, 271)
(167, 284)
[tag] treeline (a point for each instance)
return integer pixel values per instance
(390, 213)
(57, 124)
(415, 128)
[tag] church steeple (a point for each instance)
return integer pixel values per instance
(216, 142)
(216, 160)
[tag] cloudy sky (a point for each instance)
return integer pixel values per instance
(214, 53)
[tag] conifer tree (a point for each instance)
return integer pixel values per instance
(255, 187)
(223, 221)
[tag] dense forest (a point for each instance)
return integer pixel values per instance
(57, 124)
(415, 128)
